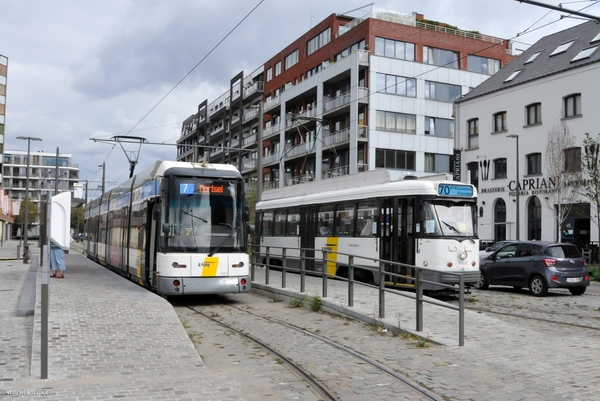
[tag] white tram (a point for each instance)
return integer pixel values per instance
(430, 224)
(176, 228)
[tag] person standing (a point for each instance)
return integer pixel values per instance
(57, 261)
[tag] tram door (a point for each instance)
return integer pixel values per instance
(397, 241)
(308, 224)
(150, 242)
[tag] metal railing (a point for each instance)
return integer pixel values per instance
(300, 257)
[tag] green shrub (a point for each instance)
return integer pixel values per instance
(594, 271)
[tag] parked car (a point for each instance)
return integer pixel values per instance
(493, 248)
(536, 265)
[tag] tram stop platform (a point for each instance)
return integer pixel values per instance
(107, 337)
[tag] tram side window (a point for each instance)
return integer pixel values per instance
(279, 222)
(366, 224)
(267, 224)
(293, 222)
(345, 219)
(325, 219)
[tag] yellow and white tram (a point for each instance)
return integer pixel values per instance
(177, 228)
(424, 223)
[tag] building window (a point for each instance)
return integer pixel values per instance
(572, 160)
(318, 41)
(473, 130)
(396, 159)
(562, 48)
(473, 171)
(534, 219)
(441, 92)
(500, 168)
(585, 53)
(499, 220)
(500, 122)
(572, 105)
(396, 85)
(398, 122)
(533, 57)
(395, 49)
(534, 164)
(269, 74)
(483, 65)
(440, 57)
(440, 127)
(435, 163)
(278, 68)
(349, 50)
(512, 76)
(534, 114)
(291, 59)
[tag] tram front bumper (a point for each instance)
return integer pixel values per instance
(203, 285)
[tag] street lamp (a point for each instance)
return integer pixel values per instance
(28, 139)
(517, 182)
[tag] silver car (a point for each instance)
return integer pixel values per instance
(536, 265)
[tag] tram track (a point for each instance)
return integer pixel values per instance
(307, 368)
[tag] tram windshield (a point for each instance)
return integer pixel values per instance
(449, 219)
(204, 216)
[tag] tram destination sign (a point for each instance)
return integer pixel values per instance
(455, 190)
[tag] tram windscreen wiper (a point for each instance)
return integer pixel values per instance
(233, 231)
(194, 216)
(456, 230)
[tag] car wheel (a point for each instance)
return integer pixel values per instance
(577, 290)
(538, 286)
(482, 284)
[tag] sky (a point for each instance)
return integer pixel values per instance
(81, 72)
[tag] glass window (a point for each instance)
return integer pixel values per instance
(500, 168)
(572, 105)
(562, 48)
(269, 74)
(437, 163)
(390, 121)
(396, 85)
(500, 122)
(533, 57)
(345, 219)
(442, 92)
(512, 76)
(318, 41)
(440, 57)
(534, 164)
(572, 159)
(293, 222)
(394, 159)
(534, 114)
(473, 130)
(366, 225)
(291, 59)
(267, 224)
(325, 221)
(483, 65)
(279, 222)
(278, 68)
(585, 53)
(395, 49)
(440, 127)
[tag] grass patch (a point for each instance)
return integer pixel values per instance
(315, 304)
(296, 302)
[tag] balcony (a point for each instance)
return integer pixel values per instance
(249, 165)
(256, 88)
(272, 130)
(270, 159)
(250, 114)
(298, 119)
(336, 172)
(272, 103)
(337, 102)
(337, 138)
(301, 179)
(249, 140)
(363, 133)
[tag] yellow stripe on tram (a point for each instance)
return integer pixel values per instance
(209, 267)
(332, 245)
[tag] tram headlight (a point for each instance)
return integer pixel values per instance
(463, 255)
(425, 263)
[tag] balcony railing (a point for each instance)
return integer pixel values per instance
(337, 102)
(270, 159)
(249, 165)
(338, 137)
(249, 140)
(273, 102)
(336, 172)
(256, 86)
(272, 130)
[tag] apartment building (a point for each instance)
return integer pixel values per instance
(504, 130)
(350, 95)
(7, 206)
(43, 175)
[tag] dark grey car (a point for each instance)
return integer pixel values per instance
(536, 265)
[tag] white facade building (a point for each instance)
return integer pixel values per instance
(503, 127)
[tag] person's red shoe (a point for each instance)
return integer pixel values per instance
(60, 275)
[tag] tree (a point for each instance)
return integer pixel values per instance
(591, 176)
(32, 215)
(77, 216)
(563, 165)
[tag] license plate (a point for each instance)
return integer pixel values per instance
(573, 279)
